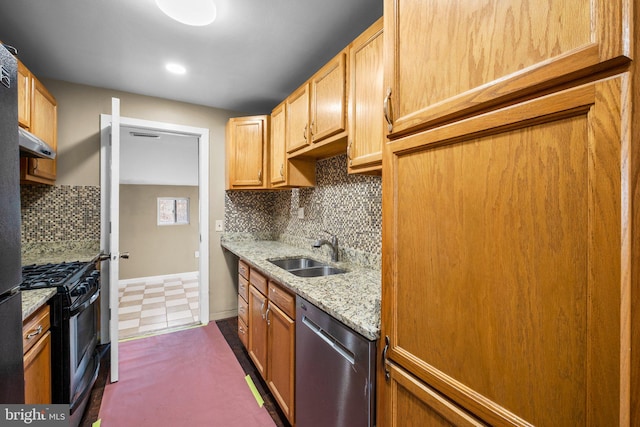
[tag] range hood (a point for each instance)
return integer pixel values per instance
(32, 146)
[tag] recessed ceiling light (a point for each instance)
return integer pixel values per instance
(190, 12)
(175, 68)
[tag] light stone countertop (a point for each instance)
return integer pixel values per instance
(34, 299)
(353, 297)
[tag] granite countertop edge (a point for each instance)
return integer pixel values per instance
(32, 300)
(352, 298)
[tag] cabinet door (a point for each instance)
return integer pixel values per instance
(503, 259)
(247, 142)
(24, 96)
(258, 330)
(366, 122)
(452, 58)
(281, 370)
(37, 372)
(278, 159)
(328, 99)
(413, 400)
(44, 124)
(297, 122)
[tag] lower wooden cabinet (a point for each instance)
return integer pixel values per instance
(281, 345)
(243, 303)
(36, 339)
(271, 343)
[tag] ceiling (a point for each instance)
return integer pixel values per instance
(248, 60)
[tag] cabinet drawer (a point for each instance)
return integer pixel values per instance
(243, 288)
(243, 269)
(243, 332)
(35, 327)
(283, 299)
(243, 310)
(259, 281)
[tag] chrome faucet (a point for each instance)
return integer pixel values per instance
(333, 243)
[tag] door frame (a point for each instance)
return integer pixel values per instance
(203, 209)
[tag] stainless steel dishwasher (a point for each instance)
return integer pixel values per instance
(335, 371)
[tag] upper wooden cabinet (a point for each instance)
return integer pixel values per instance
(284, 172)
(297, 119)
(38, 113)
(317, 112)
(247, 145)
(24, 96)
(366, 90)
(449, 59)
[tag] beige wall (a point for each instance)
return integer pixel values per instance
(154, 249)
(79, 109)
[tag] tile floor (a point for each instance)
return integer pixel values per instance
(148, 307)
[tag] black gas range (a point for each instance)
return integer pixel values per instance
(74, 328)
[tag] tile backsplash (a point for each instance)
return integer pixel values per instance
(349, 206)
(59, 213)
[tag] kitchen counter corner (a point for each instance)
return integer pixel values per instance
(353, 297)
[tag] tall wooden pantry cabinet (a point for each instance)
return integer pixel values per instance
(511, 237)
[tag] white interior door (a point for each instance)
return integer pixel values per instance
(114, 232)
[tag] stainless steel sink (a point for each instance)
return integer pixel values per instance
(296, 263)
(306, 267)
(325, 270)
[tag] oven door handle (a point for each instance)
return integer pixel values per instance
(85, 304)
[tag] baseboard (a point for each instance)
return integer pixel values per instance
(223, 314)
(187, 275)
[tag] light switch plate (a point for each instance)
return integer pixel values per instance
(301, 213)
(219, 225)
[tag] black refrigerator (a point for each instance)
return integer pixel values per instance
(11, 366)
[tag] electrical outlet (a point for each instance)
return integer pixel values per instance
(219, 225)
(301, 213)
(197, 254)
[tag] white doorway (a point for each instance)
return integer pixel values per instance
(201, 135)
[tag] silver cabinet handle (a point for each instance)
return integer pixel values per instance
(349, 149)
(262, 313)
(260, 175)
(387, 374)
(387, 115)
(35, 333)
(305, 132)
(282, 170)
(266, 315)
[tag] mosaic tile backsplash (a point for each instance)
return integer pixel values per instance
(59, 213)
(349, 206)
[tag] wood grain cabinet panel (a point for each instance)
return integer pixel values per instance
(36, 342)
(42, 119)
(328, 99)
(285, 172)
(281, 360)
(366, 121)
(448, 59)
(297, 119)
(258, 331)
(503, 284)
(24, 96)
(247, 144)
